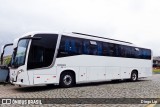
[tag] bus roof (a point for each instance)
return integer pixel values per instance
(75, 34)
(101, 37)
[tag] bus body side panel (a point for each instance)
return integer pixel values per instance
(99, 68)
(44, 76)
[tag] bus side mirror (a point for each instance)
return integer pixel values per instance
(2, 49)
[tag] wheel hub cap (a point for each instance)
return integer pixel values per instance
(67, 79)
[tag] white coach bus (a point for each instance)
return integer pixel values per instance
(71, 58)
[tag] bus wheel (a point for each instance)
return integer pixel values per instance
(134, 76)
(67, 79)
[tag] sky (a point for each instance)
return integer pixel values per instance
(136, 21)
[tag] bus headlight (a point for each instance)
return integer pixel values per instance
(19, 72)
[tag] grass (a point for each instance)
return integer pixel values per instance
(6, 60)
(156, 70)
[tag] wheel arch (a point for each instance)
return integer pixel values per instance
(134, 70)
(68, 70)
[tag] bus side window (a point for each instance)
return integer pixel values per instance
(78, 46)
(136, 52)
(99, 46)
(140, 53)
(93, 48)
(117, 50)
(86, 47)
(148, 52)
(105, 49)
(128, 49)
(111, 49)
(122, 51)
(127, 53)
(66, 45)
(70, 46)
(132, 52)
(62, 51)
(143, 54)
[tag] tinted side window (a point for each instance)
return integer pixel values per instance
(122, 51)
(132, 54)
(91, 47)
(105, 49)
(117, 50)
(140, 54)
(99, 46)
(70, 46)
(148, 54)
(128, 52)
(42, 51)
(136, 52)
(145, 54)
(86, 45)
(112, 51)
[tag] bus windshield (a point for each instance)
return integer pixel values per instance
(19, 53)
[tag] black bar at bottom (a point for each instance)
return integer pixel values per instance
(38, 101)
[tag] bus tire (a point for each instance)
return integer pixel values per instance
(134, 76)
(67, 79)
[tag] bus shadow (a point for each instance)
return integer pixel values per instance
(107, 82)
(51, 87)
(37, 88)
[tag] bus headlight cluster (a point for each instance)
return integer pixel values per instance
(19, 71)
